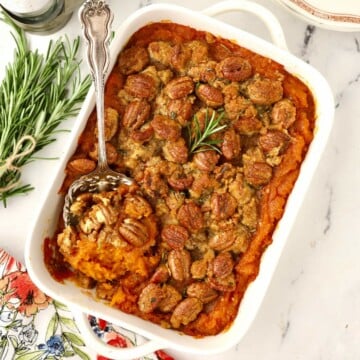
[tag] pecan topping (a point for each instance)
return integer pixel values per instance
(210, 95)
(230, 146)
(166, 128)
(257, 173)
(150, 298)
(202, 291)
(206, 160)
(206, 129)
(141, 86)
(179, 262)
(263, 91)
(134, 232)
(235, 68)
(161, 274)
(222, 206)
(175, 236)
(273, 140)
(180, 181)
(171, 298)
(190, 216)
(176, 151)
(222, 265)
(82, 166)
(284, 113)
(133, 60)
(222, 240)
(186, 311)
(179, 87)
(136, 207)
(136, 113)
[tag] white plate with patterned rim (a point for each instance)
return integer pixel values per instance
(340, 15)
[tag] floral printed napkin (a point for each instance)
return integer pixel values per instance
(35, 327)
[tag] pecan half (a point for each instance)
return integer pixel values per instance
(263, 91)
(235, 68)
(181, 110)
(186, 311)
(283, 113)
(206, 160)
(257, 173)
(134, 232)
(179, 262)
(222, 206)
(222, 240)
(210, 95)
(111, 153)
(82, 166)
(175, 236)
(133, 60)
(150, 298)
(219, 51)
(145, 133)
(179, 87)
(160, 275)
(202, 291)
(176, 151)
(199, 269)
(136, 207)
(136, 113)
(222, 265)
(171, 298)
(227, 283)
(190, 216)
(141, 86)
(274, 141)
(110, 123)
(180, 181)
(166, 128)
(230, 146)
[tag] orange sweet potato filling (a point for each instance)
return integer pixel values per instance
(214, 210)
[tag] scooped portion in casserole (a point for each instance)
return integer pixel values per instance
(115, 234)
(214, 136)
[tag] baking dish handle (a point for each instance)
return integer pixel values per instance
(109, 351)
(272, 23)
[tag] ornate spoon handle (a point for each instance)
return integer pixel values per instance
(96, 19)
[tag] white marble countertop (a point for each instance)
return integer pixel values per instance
(311, 310)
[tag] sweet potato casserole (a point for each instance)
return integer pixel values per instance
(214, 136)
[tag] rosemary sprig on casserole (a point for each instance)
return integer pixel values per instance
(200, 137)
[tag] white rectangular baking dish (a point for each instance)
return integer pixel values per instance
(47, 217)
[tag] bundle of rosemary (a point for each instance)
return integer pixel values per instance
(37, 93)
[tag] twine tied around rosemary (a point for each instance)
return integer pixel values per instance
(8, 164)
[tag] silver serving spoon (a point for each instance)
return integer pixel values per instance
(96, 18)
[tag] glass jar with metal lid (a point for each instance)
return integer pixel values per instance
(40, 16)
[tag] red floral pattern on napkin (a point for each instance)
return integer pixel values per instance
(35, 327)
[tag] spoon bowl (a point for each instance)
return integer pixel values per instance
(96, 19)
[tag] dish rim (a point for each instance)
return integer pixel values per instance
(256, 291)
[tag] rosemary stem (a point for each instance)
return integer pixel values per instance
(37, 93)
